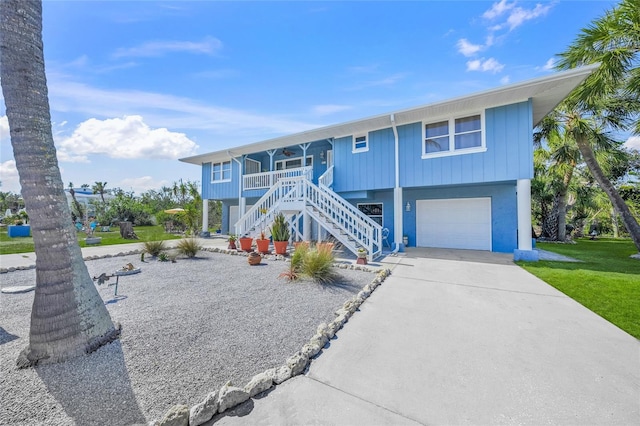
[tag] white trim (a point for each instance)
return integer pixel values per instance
(452, 137)
(221, 171)
(355, 150)
(255, 162)
(523, 197)
(284, 160)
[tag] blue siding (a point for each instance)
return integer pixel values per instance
(504, 223)
(509, 155)
(370, 170)
(219, 191)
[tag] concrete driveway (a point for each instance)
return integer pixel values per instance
(460, 337)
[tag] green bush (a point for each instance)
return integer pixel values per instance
(154, 247)
(188, 247)
(318, 264)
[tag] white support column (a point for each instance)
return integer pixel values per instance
(205, 217)
(525, 250)
(523, 189)
(397, 216)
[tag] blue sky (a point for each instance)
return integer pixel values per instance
(134, 86)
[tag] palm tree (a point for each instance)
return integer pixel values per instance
(79, 213)
(612, 92)
(68, 317)
(100, 188)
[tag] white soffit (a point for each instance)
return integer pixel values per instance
(545, 92)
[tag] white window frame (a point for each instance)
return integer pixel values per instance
(222, 170)
(381, 215)
(249, 164)
(284, 161)
(452, 137)
(355, 150)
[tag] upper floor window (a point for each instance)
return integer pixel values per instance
(221, 172)
(360, 143)
(454, 136)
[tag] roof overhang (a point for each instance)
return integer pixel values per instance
(545, 93)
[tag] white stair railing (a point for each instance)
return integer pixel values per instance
(344, 221)
(268, 179)
(327, 178)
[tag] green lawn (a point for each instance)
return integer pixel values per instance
(607, 281)
(144, 233)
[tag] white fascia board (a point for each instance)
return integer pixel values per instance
(546, 93)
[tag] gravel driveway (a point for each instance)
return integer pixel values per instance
(188, 328)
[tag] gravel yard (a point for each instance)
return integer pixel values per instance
(187, 328)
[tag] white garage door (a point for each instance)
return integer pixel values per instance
(460, 223)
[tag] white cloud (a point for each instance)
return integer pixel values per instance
(142, 184)
(633, 143)
(129, 137)
(4, 130)
(516, 15)
(208, 46)
(548, 66)
(168, 111)
(329, 109)
(9, 176)
(519, 15)
(467, 48)
(505, 80)
(489, 65)
(497, 9)
(386, 81)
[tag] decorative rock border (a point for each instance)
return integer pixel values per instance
(230, 396)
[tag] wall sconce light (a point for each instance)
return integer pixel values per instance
(408, 207)
(322, 155)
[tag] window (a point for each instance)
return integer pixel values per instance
(251, 166)
(221, 172)
(293, 163)
(455, 136)
(374, 211)
(360, 143)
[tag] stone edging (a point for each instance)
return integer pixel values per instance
(230, 396)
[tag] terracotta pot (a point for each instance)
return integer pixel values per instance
(254, 258)
(263, 245)
(320, 246)
(232, 245)
(301, 243)
(361, 260)
(245, 243)
(281, 246)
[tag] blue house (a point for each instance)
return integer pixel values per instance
(452, 174)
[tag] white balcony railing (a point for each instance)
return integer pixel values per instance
(266, 180)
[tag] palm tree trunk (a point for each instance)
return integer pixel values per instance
(68, 317)
(629, 221)
(562, 205)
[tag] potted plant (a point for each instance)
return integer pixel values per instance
(262, 243)
(245, 243)
(232, 242)
(362, 256)
(280, 234)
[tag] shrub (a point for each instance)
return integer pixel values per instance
(295, 265)
(163, 257)
(154, 247)
(318, 264)
(188, 247)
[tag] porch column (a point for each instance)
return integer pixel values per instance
(397, 217)
(205, 219)
(271, 153)
(523, 200)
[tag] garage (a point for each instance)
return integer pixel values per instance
(458, 223)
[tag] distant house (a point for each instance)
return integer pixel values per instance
(87, 200)
(452, 174)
